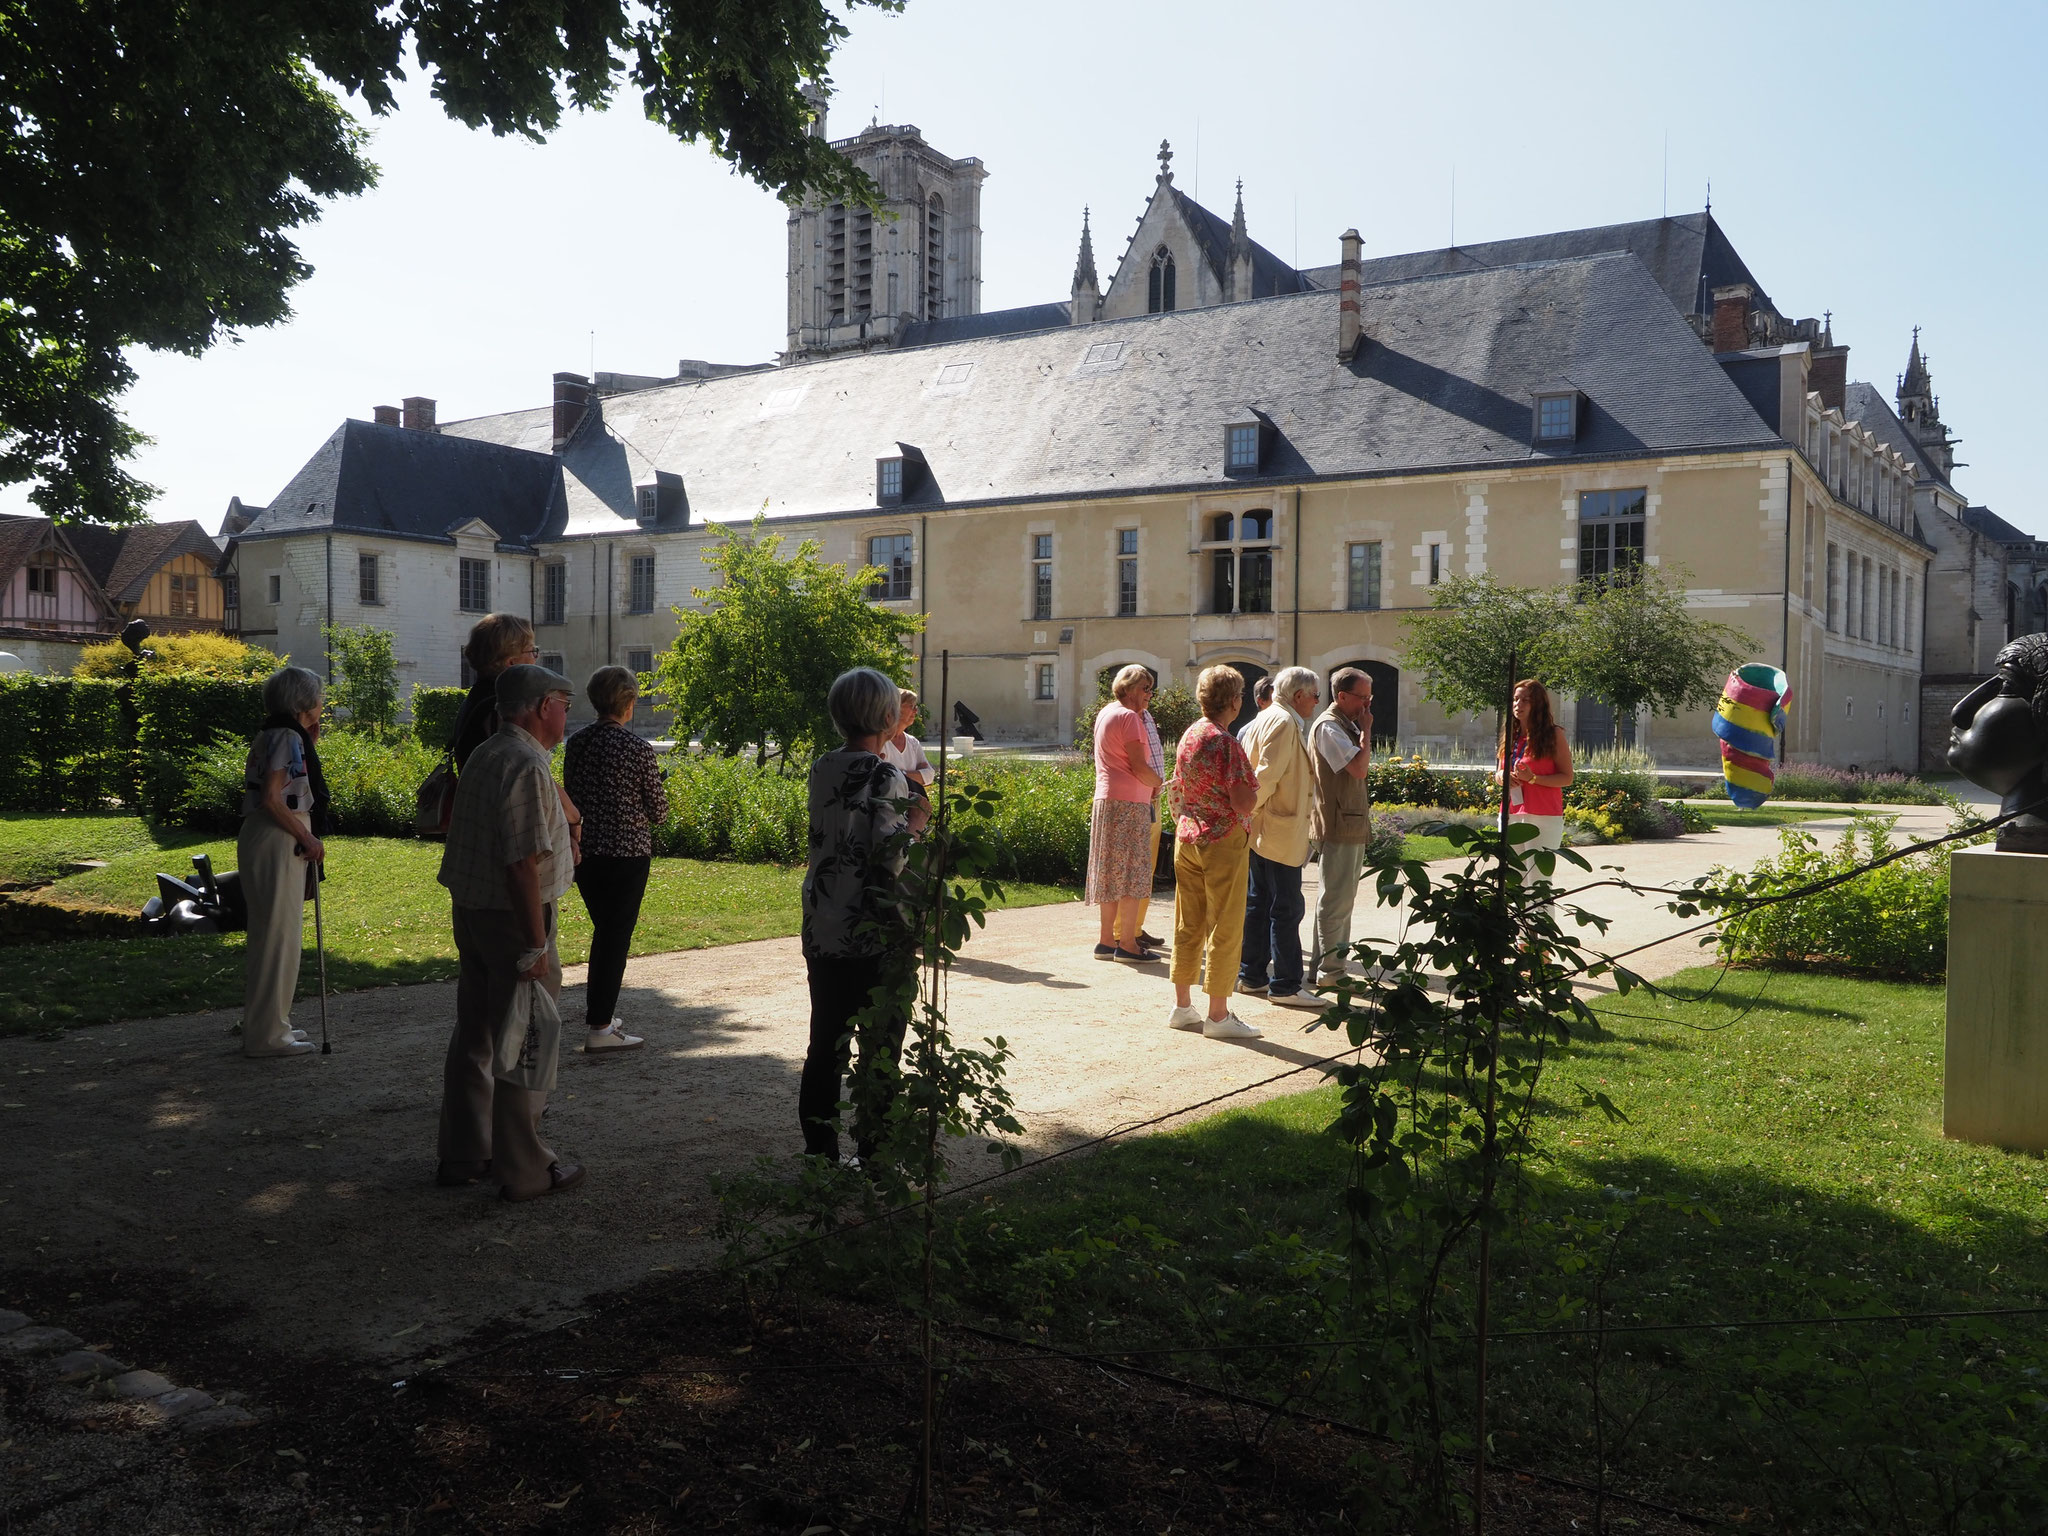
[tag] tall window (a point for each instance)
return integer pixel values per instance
(473, 582)
(640, 659)
(1863, 626)
(1806, 563)
(1834, 607)
(554, 592)
(892, 553)
(275, 587)
(231, 592)
(1610, 532)
(1126, 572)
(934, 257)
(1363, 584)
(1241, 579)
(1159, 287)
(1906, 639)
(1436, 562)
(1045, 680)
(640, 585)
(366, 580)
(1041, 576)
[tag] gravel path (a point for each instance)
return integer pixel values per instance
(301, 1189)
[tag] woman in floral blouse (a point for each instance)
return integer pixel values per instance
(1216, 791)
(860, 804)
(615, 780)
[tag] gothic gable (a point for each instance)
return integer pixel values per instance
(1172, 225)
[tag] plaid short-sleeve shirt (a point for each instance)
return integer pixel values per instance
(506, 808)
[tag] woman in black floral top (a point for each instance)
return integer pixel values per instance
(615, 780)
(859, 805)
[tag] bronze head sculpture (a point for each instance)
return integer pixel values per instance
(1999, 740)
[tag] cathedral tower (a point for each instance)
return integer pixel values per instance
(857, 279)
(1920, 411)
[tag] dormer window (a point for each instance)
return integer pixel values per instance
(659, 503)
(1246, 436)
(899, 474)
(1557, 416)
(888, 481)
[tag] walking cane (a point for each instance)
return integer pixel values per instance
(320, 947)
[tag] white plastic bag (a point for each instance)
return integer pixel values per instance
(529, 1044)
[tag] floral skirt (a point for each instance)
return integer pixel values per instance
(1123, 842)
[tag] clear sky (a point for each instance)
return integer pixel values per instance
(1882, 161)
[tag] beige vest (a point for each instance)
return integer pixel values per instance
(1343, 810)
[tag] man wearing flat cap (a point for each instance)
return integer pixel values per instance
(508, 858)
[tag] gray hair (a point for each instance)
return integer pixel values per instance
(292, 691)
(1293, 680)
(1130, 677)
(864, 703)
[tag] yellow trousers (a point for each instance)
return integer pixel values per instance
(1208, 911)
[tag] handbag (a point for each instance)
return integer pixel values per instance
(434, 801)
(529, 1044)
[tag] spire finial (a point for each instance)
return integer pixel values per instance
(1239, 237)
(1084, 265)
(1165, 161)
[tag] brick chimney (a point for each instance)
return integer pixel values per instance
(1348, 338)
(385, 415)
(572, 399)
(1829, 376)
(1731, 317)
(419, 414)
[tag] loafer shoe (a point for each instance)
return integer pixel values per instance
(1105, 951)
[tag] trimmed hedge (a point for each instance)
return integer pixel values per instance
(177, 715)
(63, 743)
(433, 715)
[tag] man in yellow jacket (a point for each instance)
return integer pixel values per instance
(1277, 743)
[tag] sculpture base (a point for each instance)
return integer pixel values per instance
(1995, 1077)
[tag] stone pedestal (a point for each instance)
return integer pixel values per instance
(1995, 1080)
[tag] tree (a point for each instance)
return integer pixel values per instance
(157, 156)
(750, 671)
(1463, 642)
(368, 685)
(1633, 642)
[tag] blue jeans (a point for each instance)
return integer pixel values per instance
(1272, 926)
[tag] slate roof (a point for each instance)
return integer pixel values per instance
(1994, 527)
(1688, 255)
(421, 485)
(123, 559)
(1270, 275)
(995, 322)
(1866, 405)
(1445, 383)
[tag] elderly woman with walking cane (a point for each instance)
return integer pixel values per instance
(279, 853)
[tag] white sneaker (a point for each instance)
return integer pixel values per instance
(1301, 999)
(612, 1037)
(1229, 1027)
(1184, 1018)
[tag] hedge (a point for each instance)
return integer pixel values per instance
(178, 714)
(433, 714)
(371, 781)
(63, 743)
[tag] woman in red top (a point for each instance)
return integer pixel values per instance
(1538, 761)
(1216, 790)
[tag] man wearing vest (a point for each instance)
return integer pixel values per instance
(1342, 738)
(1277, 744)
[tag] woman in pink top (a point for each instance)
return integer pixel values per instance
(1123, 838)
(1537, 760)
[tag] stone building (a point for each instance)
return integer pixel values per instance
(64, 587)
(1212, 457)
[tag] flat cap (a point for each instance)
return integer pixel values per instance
(519, 687)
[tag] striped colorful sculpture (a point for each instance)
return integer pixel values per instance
(1750, 720)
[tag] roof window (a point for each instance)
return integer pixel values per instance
(1557, 415)
(660, 502)
(899, 475)
(1246, 437)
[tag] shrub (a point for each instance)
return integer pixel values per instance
(371, 781)
(63, 743)
(202, 651)
(1173, 710)
(1401, 780)
(1891, 921)
(434, 711)
(1812, 781)
(1040, 827)
(367, 689)
(176, 715)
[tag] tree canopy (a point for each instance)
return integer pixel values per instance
(1629, 641)
(157, 157)
(750, 671)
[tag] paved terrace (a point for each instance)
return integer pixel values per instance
(300, 1189)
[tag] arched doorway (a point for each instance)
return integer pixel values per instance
(1251, 672)
(1386, 698)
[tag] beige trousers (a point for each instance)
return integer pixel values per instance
(274, 883)
(483, 1119)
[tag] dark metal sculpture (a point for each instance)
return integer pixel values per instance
(1999, 740)
(207, 905)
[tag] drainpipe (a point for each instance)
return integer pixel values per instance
(1297, 575)
(1785, 608)
(610, 550)
(924, 592)
(330, 612)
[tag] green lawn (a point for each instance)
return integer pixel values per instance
(386, 919)
(1726, 815)
(1810, 1127)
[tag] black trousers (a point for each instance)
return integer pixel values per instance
(612, 889)
(840, 988)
